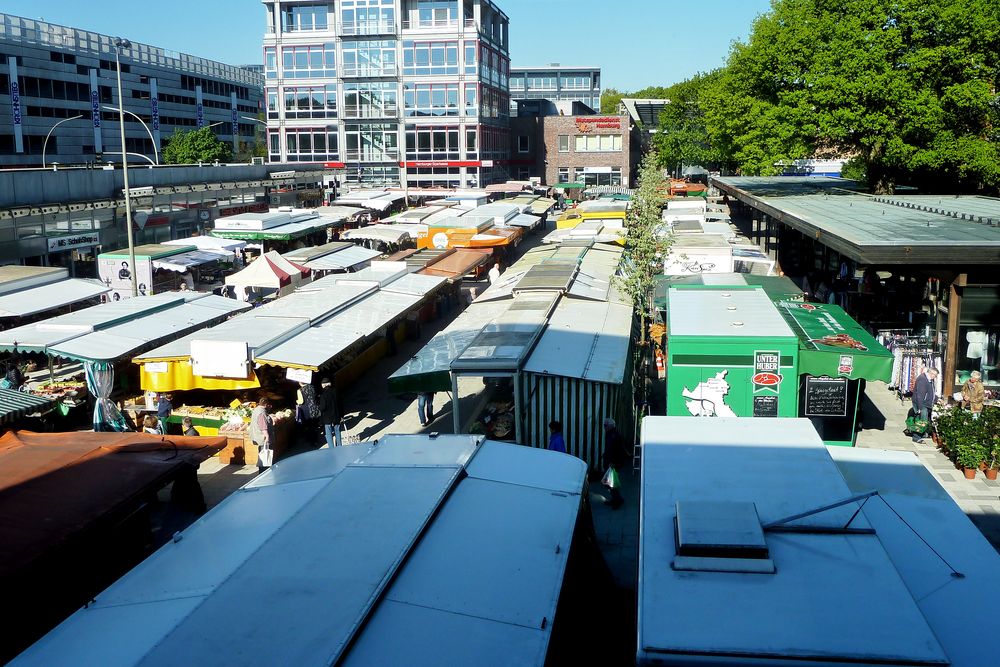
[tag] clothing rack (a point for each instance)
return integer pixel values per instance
(911, 352)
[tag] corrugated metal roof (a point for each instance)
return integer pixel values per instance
(126, 340)
(343, 260)
(585, 340)
(39, 336)
(418, 284)
(17, 404)
(257, 332)
(315, 303)
(49, 297)
(408, 577)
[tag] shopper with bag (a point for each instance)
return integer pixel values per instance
(615, 457)
(923, 400)
(262, 432)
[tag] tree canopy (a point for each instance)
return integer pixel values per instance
(193, 146)
(908, 88)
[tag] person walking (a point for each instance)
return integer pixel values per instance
(556, 441)
(164, 406)
(425, 407)
(974, 394)
(330, 413)
(262, 432)
(615, 456)
(494, 273)
(923, 398)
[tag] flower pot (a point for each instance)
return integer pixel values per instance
(991, 473)
(970, 473)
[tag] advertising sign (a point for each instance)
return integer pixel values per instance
(826, 397)
(117, 274)
(15, 105)
(299, 375)
(766, 372)
(72, 241)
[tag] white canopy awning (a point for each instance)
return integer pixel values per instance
(49, 297)
(186, 260)
(384, 233)
(209, 243)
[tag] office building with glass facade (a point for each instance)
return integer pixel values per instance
(556, 83)
(387, 89)
(58, 96)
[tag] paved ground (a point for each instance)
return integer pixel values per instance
(884, 417)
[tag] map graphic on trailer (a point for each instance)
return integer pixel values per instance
(708, 399)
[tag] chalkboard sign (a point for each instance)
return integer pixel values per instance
(826, 397)
(765, 406)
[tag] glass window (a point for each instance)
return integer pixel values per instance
(430, 58)
(431, 99)
(310, 102)
(374, 142)
(367, 17)
(563, 143)
(312, 61)
(564, 174)
(309, 144)
(523, 143)
(369, 58)
(304, 17)
(594, 143)
(371, 99)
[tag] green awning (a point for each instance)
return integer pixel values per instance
(569, 186)
(831, 343)
(16, 404)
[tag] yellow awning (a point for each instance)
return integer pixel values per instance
(178, 376)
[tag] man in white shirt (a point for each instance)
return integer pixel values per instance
(494, 273)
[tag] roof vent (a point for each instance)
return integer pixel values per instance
(720, 537)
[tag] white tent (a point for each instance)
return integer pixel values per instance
(270, 271)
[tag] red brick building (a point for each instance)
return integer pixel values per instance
(590, 149)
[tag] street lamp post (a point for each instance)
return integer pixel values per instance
(120, 45)
(46, 142)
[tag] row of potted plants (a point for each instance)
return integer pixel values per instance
(973, 444)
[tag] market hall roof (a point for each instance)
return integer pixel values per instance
(883, 230)
(644, 112)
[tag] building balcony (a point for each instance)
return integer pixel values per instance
(368, 28)
(432, 24)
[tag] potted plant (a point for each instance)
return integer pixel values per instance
(944, 426)
(968, 443)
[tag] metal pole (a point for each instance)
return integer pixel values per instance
(45, 144)
(119, 45)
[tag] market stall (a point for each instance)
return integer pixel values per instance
(268, 275)
(30, 291)
(550, 341)
(733, 351)
(334, 257)
(116, 270)
(105, 337)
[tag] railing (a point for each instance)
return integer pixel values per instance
(433, 24)
(384, 70)
(49, 35)
(384, 155)
(388, 112)
(368, 28)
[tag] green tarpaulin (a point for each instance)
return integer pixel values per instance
(831, 343)
(569, 186)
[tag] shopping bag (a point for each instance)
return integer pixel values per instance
(610, 478)
(265, 455)
(917, 426)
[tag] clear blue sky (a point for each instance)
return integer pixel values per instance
(636, 42)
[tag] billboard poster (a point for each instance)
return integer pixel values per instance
(116, 273)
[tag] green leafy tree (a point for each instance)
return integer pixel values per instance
(645, 245)
(909, 86)
(683, 136)
(193, 146)
(611, 98)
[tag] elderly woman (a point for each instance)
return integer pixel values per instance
(974, 394)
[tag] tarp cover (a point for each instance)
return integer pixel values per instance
(16, 404)
(831, 343)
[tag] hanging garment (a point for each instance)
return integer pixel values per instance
(977, 344)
